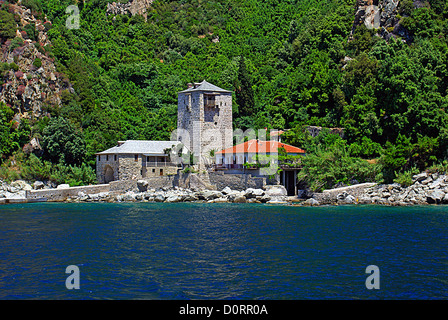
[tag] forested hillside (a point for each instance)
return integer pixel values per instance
(290, 63)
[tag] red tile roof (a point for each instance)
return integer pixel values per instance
(254, 146)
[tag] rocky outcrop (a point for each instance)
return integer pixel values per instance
(381, 15)
(344, 195)
(314, 131)
(376, 14)
(426, 189)
(134, 7)
(17, 189)
(32, 85)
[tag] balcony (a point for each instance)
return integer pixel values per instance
(254, 166)
(160, 164)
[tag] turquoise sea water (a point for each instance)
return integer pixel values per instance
(222, 251)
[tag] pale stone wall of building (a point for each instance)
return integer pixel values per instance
(129, 169)
(126, 168)
(202, 128)
(105, 163)
(217, 128)
(159, 171)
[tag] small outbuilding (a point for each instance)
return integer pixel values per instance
(137, 159)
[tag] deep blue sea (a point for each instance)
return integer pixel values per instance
(222, 251)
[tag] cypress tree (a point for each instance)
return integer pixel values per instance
(244, 91)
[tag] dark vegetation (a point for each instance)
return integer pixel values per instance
(284, 61)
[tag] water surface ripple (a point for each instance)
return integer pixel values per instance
(222, 251)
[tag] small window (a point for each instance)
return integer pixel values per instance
(99, 158)
(161, 172)
(115, 157)
(107, 157)
(136, 157)
(153, 170)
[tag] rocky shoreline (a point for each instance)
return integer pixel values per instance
(426, 189)
(272, 194)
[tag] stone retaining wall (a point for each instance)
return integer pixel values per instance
(330, 196)
(214, 181)
(238, 182)
(63, 194)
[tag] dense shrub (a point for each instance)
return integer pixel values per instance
(7, 25)
(331, 165)
(32, 168)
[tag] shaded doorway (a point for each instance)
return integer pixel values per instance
(108, 174)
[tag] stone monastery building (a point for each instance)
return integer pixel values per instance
(204, 129)
(204, 124)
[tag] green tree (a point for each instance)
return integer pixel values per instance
(244, 91)
(31, 31)
(7, 25)
(61, 140)
(405, 7)
(330, 165)
(13, 135)
(6, 141)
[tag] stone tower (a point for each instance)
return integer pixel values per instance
(204, 120)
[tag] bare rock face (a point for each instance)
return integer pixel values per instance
(134, 7)
(382, 16)
(33, 84)
(375, 14)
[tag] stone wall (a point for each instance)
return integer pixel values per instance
(331, 195)
(124, 167)
(123, 186)
(217, 127)
(211, 181)
(186, 114)
(155, 171)
(63, 194)
(129, 169)
(236, 181)
(203, 129)
(194, 181)
(162, 182)
(104, 163)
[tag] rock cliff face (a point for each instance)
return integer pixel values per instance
(32, 84)
(133, 7)
(383, 16)
(376, 14)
